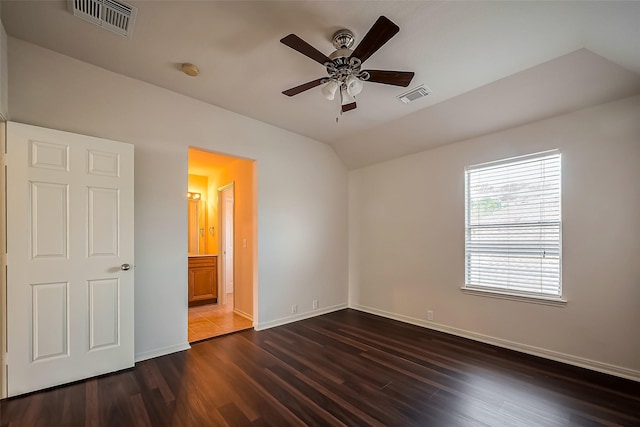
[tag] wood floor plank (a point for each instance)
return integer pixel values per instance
(92, 405)
(140, 412)
(344, 368)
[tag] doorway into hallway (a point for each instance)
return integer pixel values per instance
(221, 244)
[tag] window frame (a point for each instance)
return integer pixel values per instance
(497, 292)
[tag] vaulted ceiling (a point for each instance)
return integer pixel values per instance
(490, 65)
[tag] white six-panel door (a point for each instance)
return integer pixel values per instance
(70, 231)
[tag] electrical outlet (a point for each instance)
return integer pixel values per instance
(430, 315)
(294, 309)
(315, 304)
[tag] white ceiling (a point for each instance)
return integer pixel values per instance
(481, 59)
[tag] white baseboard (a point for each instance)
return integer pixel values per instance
(569, 359)
(161, 352)
(300, 316)
(243, 314)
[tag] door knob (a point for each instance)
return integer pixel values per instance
(125, 267)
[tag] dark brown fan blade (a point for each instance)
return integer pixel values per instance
(306, 86)
(396, 78)
(296, 43)
(349, 107)
(378, 35)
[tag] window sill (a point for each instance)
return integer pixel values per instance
(554, 301)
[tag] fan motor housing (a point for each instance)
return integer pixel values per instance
(343, 39)
(341, 53)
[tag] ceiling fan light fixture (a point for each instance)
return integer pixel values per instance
(329, 89)
(346, 98)
(354, 85)
(344, 66)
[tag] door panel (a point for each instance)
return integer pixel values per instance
(107, 164)
(104, 317)
(70, 217)
(50, 321)
(49, 220)
(103, 228)
(49, 155)
(203, 283)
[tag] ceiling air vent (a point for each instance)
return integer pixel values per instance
(410, 96)
(111, 15)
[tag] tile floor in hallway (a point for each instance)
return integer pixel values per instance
(212, 320)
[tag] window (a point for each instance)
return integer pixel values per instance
(513, 226)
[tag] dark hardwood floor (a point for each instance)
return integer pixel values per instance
(342, 369)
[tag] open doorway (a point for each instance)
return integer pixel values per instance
(221, 234)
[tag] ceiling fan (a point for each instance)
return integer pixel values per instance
(345, 75)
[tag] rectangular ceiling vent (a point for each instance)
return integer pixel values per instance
(111, 15)
(417, 93)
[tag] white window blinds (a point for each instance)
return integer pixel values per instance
(513, 224)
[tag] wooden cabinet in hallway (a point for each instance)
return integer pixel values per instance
(203, 280)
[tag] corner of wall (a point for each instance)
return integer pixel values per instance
(145, 355)
(4, 75)
(301, 316)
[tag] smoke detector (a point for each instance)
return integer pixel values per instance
(415, 93)
(112, 15)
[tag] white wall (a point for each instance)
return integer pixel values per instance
(302, 188)
(4, 74)
(406, 220)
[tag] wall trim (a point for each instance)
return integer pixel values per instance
(534, 299)
(139, 357)
(569, 359)
(301, 316)
(243, 314)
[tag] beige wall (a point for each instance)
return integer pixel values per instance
(212, 210)
(242, 174)
(407, 240)
(301, 230)
(198, 184)
(4, 75)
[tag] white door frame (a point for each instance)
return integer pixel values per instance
(222, 291)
